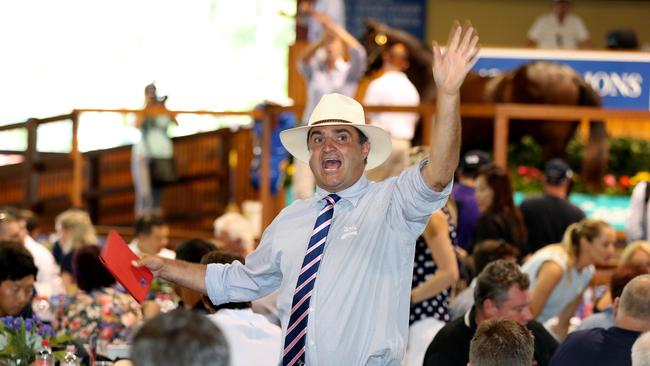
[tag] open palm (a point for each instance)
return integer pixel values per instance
(461, 53)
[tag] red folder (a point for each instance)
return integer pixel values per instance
(117, 257)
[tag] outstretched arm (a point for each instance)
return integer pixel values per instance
(436, 234)
(449, 71)
(186, 274)
(336, 30)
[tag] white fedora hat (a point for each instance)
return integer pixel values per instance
(338, 110)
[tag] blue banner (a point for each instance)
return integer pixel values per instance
(407, 15)
(621, 78)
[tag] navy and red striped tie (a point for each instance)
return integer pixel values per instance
(294, 341)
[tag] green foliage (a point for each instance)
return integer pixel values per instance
(627, 158)
(526, 152)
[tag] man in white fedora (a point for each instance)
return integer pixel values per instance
(342, 260)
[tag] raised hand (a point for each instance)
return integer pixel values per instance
(461, 53)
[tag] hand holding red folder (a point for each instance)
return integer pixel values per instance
(118, 258)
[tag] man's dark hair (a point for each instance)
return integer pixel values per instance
(8, 213)
(621, 276)
(223, 257)
(179, 337)
(487, 251)
(31, 220)
(495, 281)
(88, 270)
(193, 250)
(362, 140)
(16, 262)
(145, 224)
(501, 342)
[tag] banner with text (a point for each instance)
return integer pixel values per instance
(621, 78)
(407, 15)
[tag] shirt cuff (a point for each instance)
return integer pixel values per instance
(214, 283)
(430, 193)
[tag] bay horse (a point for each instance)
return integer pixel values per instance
(536, 82)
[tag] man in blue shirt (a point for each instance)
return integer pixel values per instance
(356, 309)
(611, 346)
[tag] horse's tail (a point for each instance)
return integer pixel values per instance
(596, 155)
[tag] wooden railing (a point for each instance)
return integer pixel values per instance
(503, 115)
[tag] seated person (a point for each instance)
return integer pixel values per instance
(180, 337)
(641, 350)
(74, 229)
(192, 251)
(636, 253)
(485, 253)
(499, 342)
(13, 227)
(97, 310)
(151, 237)
(252, 338)
(560, 273)
(612, 346)
(17, 277)
(617, 282)
(501, 292)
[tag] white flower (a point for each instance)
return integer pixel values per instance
(3, 341)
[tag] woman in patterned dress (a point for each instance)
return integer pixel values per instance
(435, 270)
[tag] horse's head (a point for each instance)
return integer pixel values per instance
(374, 41)
(379, 36)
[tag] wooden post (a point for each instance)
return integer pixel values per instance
(584, 130)
(31, 174)
(76, 188)
(501, 138)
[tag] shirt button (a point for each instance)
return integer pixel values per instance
(311, 310)
(312, 343)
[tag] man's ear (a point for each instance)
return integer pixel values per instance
(490, 309)
(365, 148)
(617, 302)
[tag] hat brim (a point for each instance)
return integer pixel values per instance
(295, 141)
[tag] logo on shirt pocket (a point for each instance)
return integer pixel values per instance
(349, 231)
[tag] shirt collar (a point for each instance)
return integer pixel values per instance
(351, 194)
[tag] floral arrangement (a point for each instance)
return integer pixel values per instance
(627, 165)
(105, 315)
(20, 339)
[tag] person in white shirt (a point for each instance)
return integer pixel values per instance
(13, 228)
(393, 88)
(234, 233)
(559, 28)
(253, 340)
(151, 237)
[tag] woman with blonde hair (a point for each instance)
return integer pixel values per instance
(74, 229)
(559, 273)
(637, 253)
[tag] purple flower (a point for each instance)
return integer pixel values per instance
(47, 331)
(29, 324)
(7, 321)
(17, 323)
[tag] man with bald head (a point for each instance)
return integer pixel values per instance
(393, 88)
(611, 346)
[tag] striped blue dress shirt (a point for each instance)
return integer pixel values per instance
(360, 304)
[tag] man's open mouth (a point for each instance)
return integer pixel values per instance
(331, 164)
